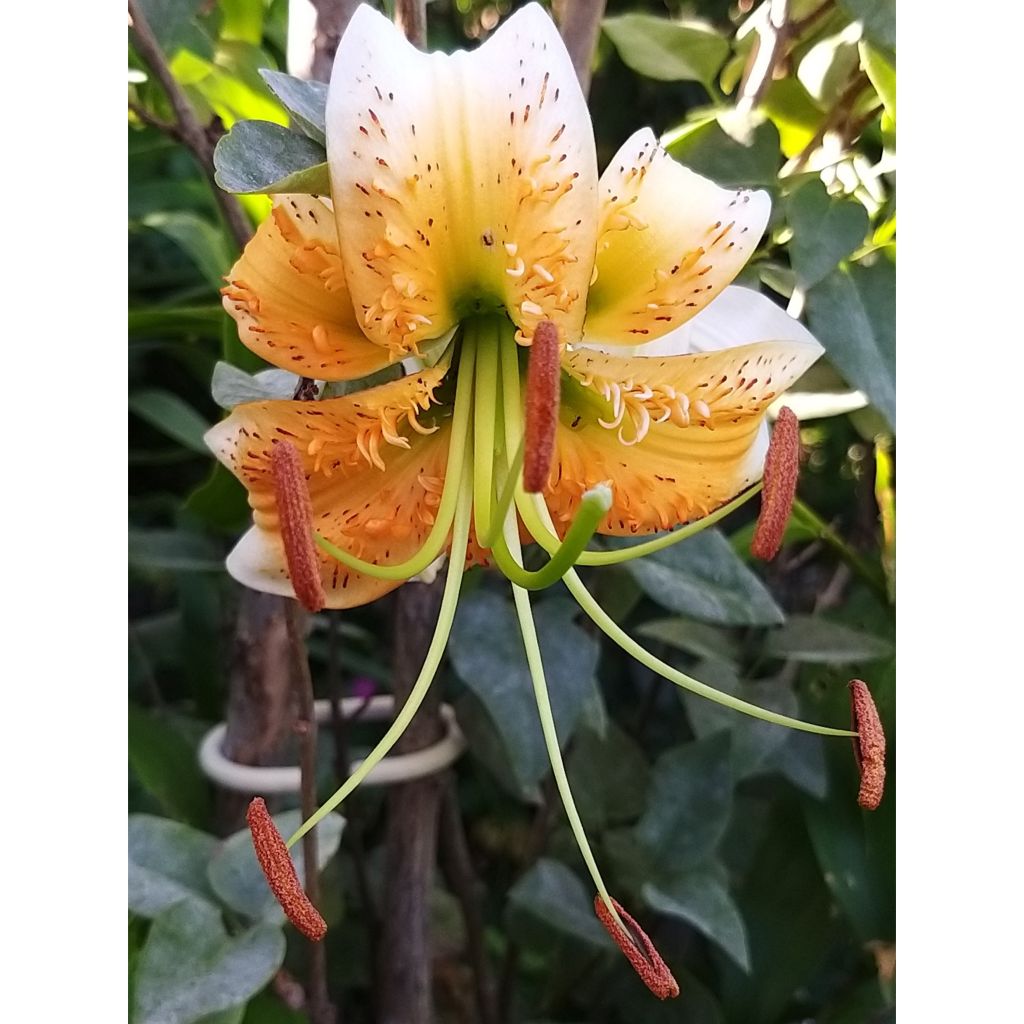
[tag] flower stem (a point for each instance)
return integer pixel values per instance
(482, 335)
(449, 601)
(438, 535)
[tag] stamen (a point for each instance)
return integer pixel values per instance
(639, 950)
(781, 467)
(295, 515)
(868, 745)
(280, 873)
(542, 395)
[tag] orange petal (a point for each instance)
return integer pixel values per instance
(287, 293)
(375, 479)
(676, 436)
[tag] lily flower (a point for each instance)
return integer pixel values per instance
(468, 234)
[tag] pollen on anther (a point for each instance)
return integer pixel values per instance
(639, 950)
(280, 873)
(295, 518)
(542, 398)
(781, 468)
(868, 745)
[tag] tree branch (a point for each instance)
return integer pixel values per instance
(580, 28)
(187, 129)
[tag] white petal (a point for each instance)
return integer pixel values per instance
(440, 164)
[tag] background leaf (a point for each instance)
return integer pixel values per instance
(665, 49)
(259, 156)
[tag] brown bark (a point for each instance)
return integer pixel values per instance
(411, 840)
(580, 25)
(332, 18)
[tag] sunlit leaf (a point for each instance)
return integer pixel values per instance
(667, 50)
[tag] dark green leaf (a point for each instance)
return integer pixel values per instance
(708, 150)
(235, 875)
(668, 50)
(220, 501)
(305, 101)
(704, 578)
(487, 652)
(609, 777)
(695, 638)
(689, 805)
(260, 156)
(172, 416)
(166, 864)
(204, 320)
(190, 967)
(825, 231)
(878, 18)
(852, 312)
(701, 897)
(553, 894)
(175, 26)
(813, 639)
(204, 243)
(882, 72)
(173, 550)
(165, 764)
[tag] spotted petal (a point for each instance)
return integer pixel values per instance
(461, 183)
(375, 477)
(675, 436)
(287, 293)
(670, 241)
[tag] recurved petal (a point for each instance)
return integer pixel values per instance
(374, 471)
(675, 436)
(462, 183)
(288, 294)
(669, 242)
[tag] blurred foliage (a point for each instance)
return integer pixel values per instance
(739, 846)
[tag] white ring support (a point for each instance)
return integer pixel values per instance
(397, 768)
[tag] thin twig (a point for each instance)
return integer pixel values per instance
(188, 130)
(154, 122)
(320, 1009)
(457, 865)
(839, 114)
(580, 28)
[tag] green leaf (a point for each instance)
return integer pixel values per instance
(794, 112)
(174, 24)
(882, 72)
(667, 50)
(487, 653)
(689, 804)
(852, 312)
(204, 243)
(259, 156)
(172, 550)
(203, 320)
(701, 897)
(166, 864)
(753, 742)
(235, 875)
(220, 501)
(693, 637)
(172, 416)
(609, 776)
(165, 764)
(305, 101)
(243, 21)
(550, 892)
(231, 386)
(705, 579)
(825, 231)
(812, 639)
(826, 69)
(878, 18)
(190, 967)
(708, 150)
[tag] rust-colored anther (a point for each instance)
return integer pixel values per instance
(295, 514)
(543, 387)
(868, 745)
(781, 468)
(272, 854)
(639, 950)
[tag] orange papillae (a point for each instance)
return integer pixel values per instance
(295, 512)
(639, 950)
(280, 872)
(542, 394)
(868, 745)
(781, 467)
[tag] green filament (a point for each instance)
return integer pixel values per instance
(438, 535)
(547, 723)
(483, 334)
(449, 601)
